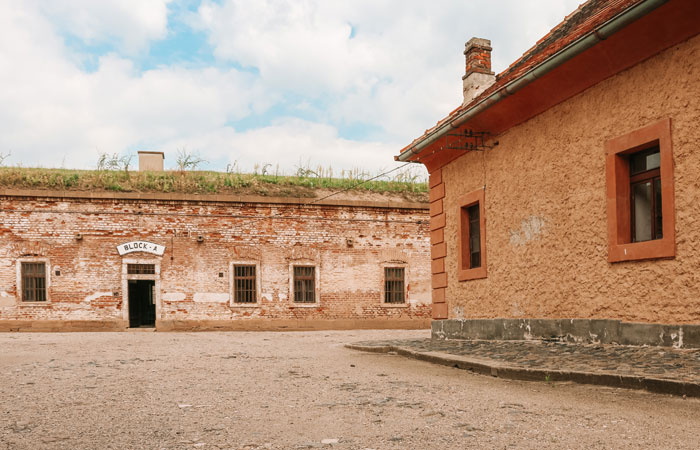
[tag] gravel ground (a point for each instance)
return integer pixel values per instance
(300, 390)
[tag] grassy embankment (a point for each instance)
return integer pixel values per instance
(304, 184)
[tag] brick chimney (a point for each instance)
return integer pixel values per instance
(151, 161)
(478, 76)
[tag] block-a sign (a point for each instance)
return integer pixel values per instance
(141, 246)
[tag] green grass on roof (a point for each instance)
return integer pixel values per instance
(203, 182)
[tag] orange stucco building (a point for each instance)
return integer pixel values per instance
(567, 186)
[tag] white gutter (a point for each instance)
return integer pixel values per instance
(577, 47)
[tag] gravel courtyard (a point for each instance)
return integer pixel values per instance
(149, 390)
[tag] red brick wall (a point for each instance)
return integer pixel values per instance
(350, 245)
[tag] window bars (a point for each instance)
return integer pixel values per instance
(394, 285)
(304, 284)
(244, 284)
(33, 282)
(141, 269)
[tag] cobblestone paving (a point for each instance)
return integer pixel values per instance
(650, 362)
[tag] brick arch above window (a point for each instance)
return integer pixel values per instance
(246, 252)
(393, 256)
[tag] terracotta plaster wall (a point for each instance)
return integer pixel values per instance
(545, 205)
(90, 284)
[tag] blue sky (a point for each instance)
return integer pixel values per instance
(341, 84)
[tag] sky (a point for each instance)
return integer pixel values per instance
(241, 84)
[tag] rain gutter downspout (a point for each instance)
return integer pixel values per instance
(602, 32)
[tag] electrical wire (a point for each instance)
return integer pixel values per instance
(358, 184)
(244, 216)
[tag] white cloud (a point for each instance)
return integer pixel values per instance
(53, 110)
(402, 67)
(393, 65)
(130, 24)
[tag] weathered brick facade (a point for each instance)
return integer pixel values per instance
(76, 236)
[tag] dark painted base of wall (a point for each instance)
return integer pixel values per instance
(602, 331)
(216, 325)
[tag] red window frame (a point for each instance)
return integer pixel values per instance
(619, 205)
(466, 269)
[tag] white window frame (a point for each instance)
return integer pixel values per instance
(258, 284)
(126, 276)
(20, 289)
(317, 284)
(392, 265)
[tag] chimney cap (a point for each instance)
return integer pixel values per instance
(146, 152)
(477, 43)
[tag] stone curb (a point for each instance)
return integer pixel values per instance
(495, 369)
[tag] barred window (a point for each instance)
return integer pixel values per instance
(394, 285)
(33, 282)
(244, 284)
(304, 284)
(141, 269)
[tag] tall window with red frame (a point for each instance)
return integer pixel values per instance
(472, 242)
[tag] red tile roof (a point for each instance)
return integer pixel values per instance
(586, 18)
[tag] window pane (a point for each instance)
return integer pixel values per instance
(474, 237)
(657, 206)
(394, 285)
(304, 284)
(244, 284)
(645, 160)
(641, 198)
(475, 259)
(141, 269)
(33, 282)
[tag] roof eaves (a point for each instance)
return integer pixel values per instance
(534, 58)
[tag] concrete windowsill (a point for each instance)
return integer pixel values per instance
(395, 305)
(245, 305)
(33, 303)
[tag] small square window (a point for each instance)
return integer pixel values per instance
(304, 284)
(244, 284)
(394, 285)
(472, 240)
(33, 282)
